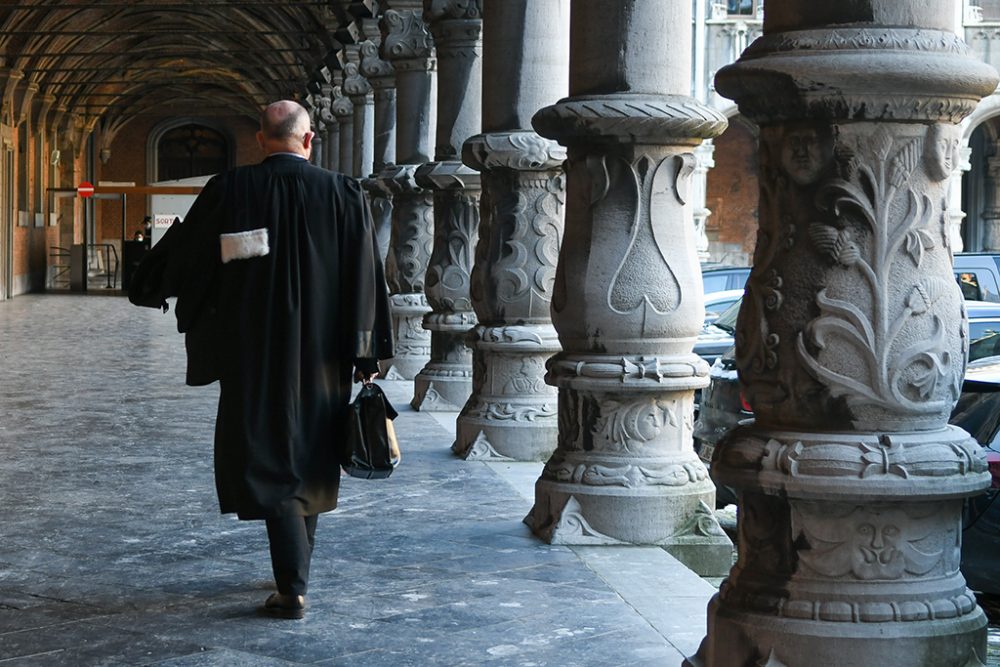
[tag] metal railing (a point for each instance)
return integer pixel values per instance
(102, 262)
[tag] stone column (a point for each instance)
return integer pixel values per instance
(319, 130)
(343, 109)
(446, 381)
(407, 45)
(511, 414)
(956, 215)
(316, 157)
(704, 160)
(331, 148)
(381, 76)
(628, 301)
(850, 346)
(362, 97)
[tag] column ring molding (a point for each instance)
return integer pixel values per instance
(931, 465)
(630, 118)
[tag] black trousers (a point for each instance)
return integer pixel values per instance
(291, 539)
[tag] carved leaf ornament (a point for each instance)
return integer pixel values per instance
(900, 377)
(631, 290)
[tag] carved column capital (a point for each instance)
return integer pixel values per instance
(630, 117)
(406, 42)
(519, 150)
(342, 106)
(379, 72)
(865, 73)
(447, 176)
(437, 10)
(355, 85)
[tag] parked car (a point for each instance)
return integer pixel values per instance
(718, 277)
(978, 274)
(721, 405)
(717, 336)
(978, 412)
(716, 303)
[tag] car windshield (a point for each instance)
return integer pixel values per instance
(987, 345)
(727, 320)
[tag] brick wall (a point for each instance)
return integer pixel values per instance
(128, 163)
(30, 248)
(731, 194)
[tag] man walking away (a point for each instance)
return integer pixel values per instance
(280, 294)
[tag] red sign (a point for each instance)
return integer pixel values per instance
(85, 189)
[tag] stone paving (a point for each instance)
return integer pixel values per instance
(112, 550)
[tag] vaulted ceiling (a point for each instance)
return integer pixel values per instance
(111, 60)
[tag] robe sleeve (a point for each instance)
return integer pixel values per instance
(194, 257)
(371, 331)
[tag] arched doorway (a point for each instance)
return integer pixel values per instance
(191, 150)
(981, 186)
(187, 147)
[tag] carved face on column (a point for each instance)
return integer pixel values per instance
(941, 151)
(804, 155)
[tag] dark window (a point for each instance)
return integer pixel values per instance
(742, 7)
(191, 150)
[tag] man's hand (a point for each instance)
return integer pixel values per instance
(366, 378)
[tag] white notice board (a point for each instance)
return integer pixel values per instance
(164, 208)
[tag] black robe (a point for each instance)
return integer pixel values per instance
(281, 325)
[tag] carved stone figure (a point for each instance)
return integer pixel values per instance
(851, 345)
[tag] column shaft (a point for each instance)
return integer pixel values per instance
(381, 76)
(359, 90)
(850, 347)
(343, 109)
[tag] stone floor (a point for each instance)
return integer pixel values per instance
(112, 551)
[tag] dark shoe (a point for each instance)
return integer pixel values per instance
(279, 605)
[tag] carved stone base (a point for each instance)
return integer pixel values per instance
(849, 543)
(413, 342)
(445, 383)
(740, 638)
(681, 522)
(511, 415)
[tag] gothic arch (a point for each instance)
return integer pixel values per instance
(159, 130)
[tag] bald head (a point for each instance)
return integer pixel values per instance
(284, 127)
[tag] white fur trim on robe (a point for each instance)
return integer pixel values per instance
(244, 245)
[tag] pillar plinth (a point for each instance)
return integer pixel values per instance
(446, 381)
(627, 301)
(851, 347)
